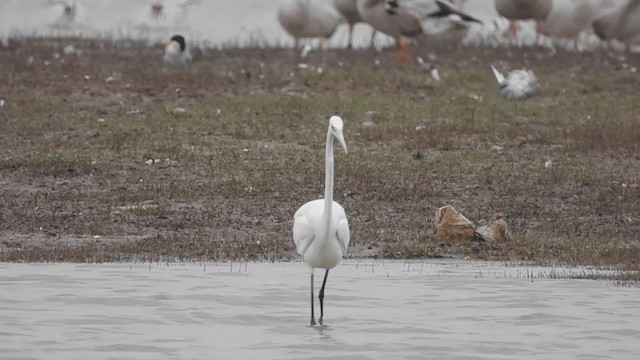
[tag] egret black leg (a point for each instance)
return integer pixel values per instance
(313, 321)
(321, 296)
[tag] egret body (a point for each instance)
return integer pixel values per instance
(320, 227)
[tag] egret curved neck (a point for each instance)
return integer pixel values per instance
(328, 179)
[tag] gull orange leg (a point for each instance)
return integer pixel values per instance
(513, 30)
(538, 31)
(321, 46)
(404, 55)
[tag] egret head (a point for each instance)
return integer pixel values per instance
(335, 126)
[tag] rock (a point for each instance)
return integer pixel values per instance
(451, 225)
(496, 231)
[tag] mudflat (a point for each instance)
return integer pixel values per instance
(107, 154)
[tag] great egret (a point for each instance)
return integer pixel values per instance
(320, 227)
(523, 10)
(175, 51)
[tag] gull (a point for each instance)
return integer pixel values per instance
(320, 227)
(523, 10)
(569, 18)
(308, 19)
(349, 10)
(176, 52)
(627, 29)
(404, 19)
(519, 84)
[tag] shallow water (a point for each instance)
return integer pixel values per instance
(374, 310)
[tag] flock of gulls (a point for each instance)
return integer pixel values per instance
(321, 229)
(414, 20)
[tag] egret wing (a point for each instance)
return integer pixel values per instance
(343, 235)
(303, 234)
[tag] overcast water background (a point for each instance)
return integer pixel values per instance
(373, 310)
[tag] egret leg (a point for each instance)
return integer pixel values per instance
(321, 296)
(313, 321)
(350, 44)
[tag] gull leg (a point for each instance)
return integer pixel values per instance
(403, 53)
(321, 296)
(373, 37)
(323, 58)
(513, 30)
(313, 321)
(538, 31)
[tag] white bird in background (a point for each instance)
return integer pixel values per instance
(628, 28)
(605, 24)
(404, 19)
(519, 84)
(308, 19)
(69, 12)
(176, 52)
(523, 10)
(320, 227)
(349, 10)
(568, 18)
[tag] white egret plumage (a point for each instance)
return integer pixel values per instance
(176, 51)
(320, 227)
(518, 84)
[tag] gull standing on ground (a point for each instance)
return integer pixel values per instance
(627, 29)
(569, 18)
(523, 10)
(320, 227)
(398, 19)
(349, 10)
(176, 52)
(308, 19)
(519, 84)
(605, 23)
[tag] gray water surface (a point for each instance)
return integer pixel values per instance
(374, 310)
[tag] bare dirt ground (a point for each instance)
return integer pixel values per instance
(109, 155)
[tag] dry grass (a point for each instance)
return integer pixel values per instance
(248, 151)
